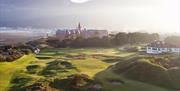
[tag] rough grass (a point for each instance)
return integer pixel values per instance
(174, 74)
(60, 63)
(21, 80)
(28, 67)
(141, 69)
(128, 85)
(35, 68)
(7, 70)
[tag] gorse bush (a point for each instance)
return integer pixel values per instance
(11, 53)
(72, 83)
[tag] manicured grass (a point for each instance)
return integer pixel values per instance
(29, 68)
(129, 85)
(7, 70)
(95, 62)
(90, 66)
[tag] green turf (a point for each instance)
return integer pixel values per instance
(129, 85)
(95, 62)
(7, 70)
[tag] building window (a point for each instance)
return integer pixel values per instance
(154, 48)
(159, 49)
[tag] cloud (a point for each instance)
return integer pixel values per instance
(79, 1)
(110, 14)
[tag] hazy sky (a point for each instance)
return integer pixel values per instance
(130, 15)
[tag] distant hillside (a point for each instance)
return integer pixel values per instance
(158, 71)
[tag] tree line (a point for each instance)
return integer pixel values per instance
(112, 40)
(173, 40)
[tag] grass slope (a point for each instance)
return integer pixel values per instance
(7, 70)
(95, 62)
(141, 69)
(90, 66)
(129, 85)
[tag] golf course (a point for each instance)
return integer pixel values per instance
(53, 66)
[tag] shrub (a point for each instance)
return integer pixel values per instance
(9, 58)
(49, 72)
(11, 53)
(33, 68)
(20, 81)
(72, 83)
(40, 86)
(131, 49)
(2, 58)
(26, 51)
(55, 66)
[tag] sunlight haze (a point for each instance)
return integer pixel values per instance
(115, 15)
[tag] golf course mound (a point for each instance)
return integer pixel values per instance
(145, 70)
(57, 66)
(34, 68)
(74, 82)
(39, 86)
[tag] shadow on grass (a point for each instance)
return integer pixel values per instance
(44, 57)
(76, 82)
(57, 66)
(112, 59)
(20, 81)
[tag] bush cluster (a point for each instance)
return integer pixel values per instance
(118, 39)
(11, 53)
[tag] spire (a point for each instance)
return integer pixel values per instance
(79, 26)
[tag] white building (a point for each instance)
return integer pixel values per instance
(80, 32)
(37, 51)
(159, 47)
